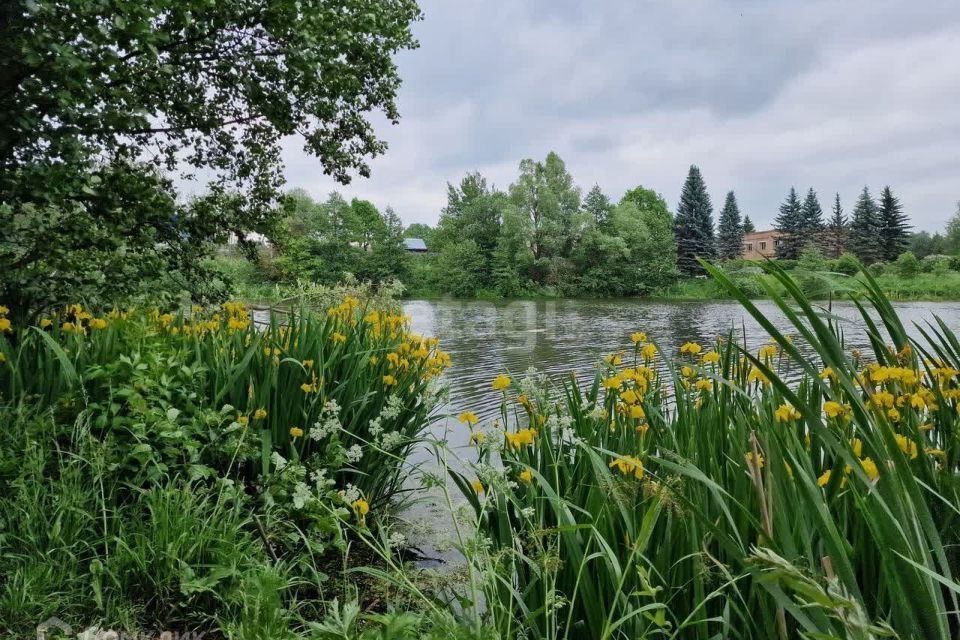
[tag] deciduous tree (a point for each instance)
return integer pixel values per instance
(98, 102)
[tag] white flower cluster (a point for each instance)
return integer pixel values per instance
(391, 411)
(396, 540)
(351, 494)
(596, 413)
(329, 422)
(391, 440)
(393, 408)
(354, 453)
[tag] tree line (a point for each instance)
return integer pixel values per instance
(876, 232)
(543, 235)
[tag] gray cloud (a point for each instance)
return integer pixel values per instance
(761, 95)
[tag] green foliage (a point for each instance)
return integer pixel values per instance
(812, 214)
(923, 244)
(597, 206)
(952, 234)
(731, 230)
(835, 235)
(865, 238)
(460, 268)
(907, 265)
(193, 471)
(935, 264)
(634, 254)
(548, 204)
(791, 225)
(693, 224)
(893, 226)
(748, 225)
(740, 493)
(96, 111)
(537, 239)
(848, 263)
(329, 242)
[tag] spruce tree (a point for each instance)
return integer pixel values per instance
(837, 228)
(789, 223)
(812, 214)
(597, 205)
(864, 230)
(748, 225)
(893, 226)
(693, 224)
(730, 240)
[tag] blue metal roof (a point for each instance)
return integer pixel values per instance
(414, 244)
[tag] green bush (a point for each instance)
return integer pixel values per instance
(907, 265)
(935, 264)
(848, 264)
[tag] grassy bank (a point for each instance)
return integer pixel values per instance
(249, 283)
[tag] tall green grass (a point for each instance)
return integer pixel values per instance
(194, 471)
(722, 500)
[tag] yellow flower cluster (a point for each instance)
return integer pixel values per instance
(628, 465)
(691, 347)
(524, 437)
(786, 413)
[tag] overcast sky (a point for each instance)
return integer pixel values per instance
(761, 95)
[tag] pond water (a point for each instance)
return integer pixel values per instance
(562, 336)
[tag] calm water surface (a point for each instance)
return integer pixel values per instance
(562, 336)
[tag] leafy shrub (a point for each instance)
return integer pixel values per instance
(935, 264)
(907, 265)
(848, 264)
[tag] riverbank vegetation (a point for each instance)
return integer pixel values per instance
(197, 470)
(701, 494)
(193, 470)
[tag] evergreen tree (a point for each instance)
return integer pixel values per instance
(748, 225)
(693, 224)
(597, 206)
(864, 230)
(789, 223)
(812, 215)
(730, 241)
(894, 228)
(836, 233)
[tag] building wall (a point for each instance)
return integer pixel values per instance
(760, 244)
